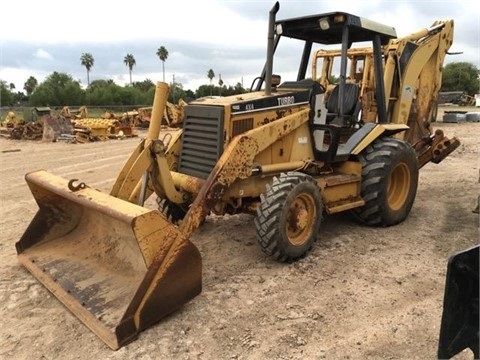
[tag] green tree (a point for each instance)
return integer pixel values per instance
(100, 83)
(87, 60)
(106, 93)
(102, 92)
(6, 97)
(58, 89)
(220, 84)
(205, 90)
(162, 54)
(176, 93)
(210, 75)
(333, 79)
(239, 89)
(189, 95)
(202, 90)
(30, 85)
(461, 76)
(20, 98)
(144, 85)
(11, 86)
(129, 60)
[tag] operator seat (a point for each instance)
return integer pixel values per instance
(351, 105)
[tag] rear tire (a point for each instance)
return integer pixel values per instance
(389, 182)
(289, 216)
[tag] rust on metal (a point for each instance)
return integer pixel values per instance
(339, 179)
(435, 148)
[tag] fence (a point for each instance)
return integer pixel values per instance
(28, 113)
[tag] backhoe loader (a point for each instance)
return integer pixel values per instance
(282, 152)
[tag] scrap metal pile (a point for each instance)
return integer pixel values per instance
(29, 131)
(86, 130)
(14, 128)
(64, 128)
(76, 126)
(173, 116)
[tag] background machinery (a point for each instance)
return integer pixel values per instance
(285, 153)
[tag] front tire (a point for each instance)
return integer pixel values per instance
(389, 182)
(172, 212)
(289, 216)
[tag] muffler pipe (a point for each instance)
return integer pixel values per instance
(270, 46)
(159, 104)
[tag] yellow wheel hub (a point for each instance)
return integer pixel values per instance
(398, 186)
(300, 219)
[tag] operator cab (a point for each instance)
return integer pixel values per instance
(343, 104)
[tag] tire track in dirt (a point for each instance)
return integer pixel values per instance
(96, 164)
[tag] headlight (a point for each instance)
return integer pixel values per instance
(324, 23)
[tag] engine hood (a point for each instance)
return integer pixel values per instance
(254, 101)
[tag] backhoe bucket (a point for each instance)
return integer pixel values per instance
(117, 266)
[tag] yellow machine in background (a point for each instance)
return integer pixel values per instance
(80, 113)
(10, 120)
(285, 153)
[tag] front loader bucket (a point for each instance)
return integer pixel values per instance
(117, 266)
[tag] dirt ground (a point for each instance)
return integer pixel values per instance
(361, 293)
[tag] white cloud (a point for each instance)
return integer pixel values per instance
(19, 76)
(42, 54)
(204, 21)
(226, 36)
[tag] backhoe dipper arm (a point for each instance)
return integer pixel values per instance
(417, 60)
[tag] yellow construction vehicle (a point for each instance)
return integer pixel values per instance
(283, 153)
(11, 120)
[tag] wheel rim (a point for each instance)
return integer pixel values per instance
(398, 186)
(300, 218)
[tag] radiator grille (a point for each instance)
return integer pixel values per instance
(241, 126)
(202, 140)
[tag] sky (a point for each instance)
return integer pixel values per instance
(228, 37)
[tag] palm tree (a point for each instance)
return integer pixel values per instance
(87, 61)
(129, 60)
(220, 84)
(210, 75)
(162, 54)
